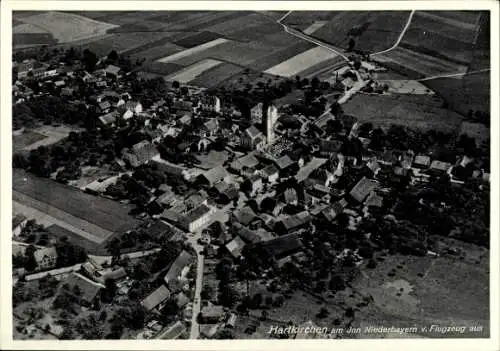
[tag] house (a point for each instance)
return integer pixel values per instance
(88, 290)
(290, 196)
(179, 268)
(292, 223)
(284, 162)
(252, 185)
(334, 210)
(130, 109)
(227, 192)
(104, 106)
(212, 314)
(245, 165)
(210, 127)
(388, 158)
(157, 299)
(422, 162)
(145, 151)
(175, 331)
(18, 224)
(45, 258)
(256, 113)
(235, 247)
(252, 138)
(282, 246)
(248, 236)
(231, 320)
(208, 331)
(361, 190)
(109, 119)
(373, 200)
(244, 215)
(99, 274)
(160, 229)
(270, 173)
(167, 199)
(313, 165)
(181, 300)
(112, 71)
(321, 177)
(439, 167)
(213, 176)
(197, 219)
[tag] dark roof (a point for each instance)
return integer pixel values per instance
(249, 236)
(283, 245)
(104, 105)
(296, 220)
(244, 215)
(156, 297)
(270, 170)
(169, 168)
(249, 161)
(159, 228)
(195, 214)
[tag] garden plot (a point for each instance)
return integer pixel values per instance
(66, 27)
(301, 62)
(190, 73)
(193, 50)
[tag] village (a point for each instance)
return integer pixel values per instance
(230, 195)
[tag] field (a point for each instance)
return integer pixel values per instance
(373, 31)
(427, 291)
(470, 92)
(215, 75)
(418, 112)
(197, 39)
(25, 139)
(190, 73)
(302, 61)
(314, 27)
(193, 50)
(66, 27)
(107, 214)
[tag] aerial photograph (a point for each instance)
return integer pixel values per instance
(250, 175)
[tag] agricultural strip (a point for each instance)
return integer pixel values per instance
(421, 64)
(301, 62)
(314, 27)
(33, 39)
(67, 27)
(189, 73)
(215, 75)
(193, 50)
(107, 214)
(197, 39)
(277, 57)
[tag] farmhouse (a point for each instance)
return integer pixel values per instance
(212, 314)
(422, 162)
(252, 185)
(439, 167)
(213, 176)
(112, 71)
(46, 258)
(157, 299)
(252, 138)
(292, 223)
(235, 247)
(179, 267)
(270, 173)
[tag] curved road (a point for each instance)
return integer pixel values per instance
(401, 35)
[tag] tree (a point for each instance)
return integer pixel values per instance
(323, 312)
(351, 44)
(257, 300)
(89, 60)
(269, 300)
(113, 56)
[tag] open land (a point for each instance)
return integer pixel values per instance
(419, 112)
(302, 61)
(190, 73)
(107, 214)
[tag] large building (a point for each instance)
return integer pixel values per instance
(270, 119)
(197, 218)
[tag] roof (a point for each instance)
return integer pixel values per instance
(169, 168)
(252, 132)
(235, 246)
(211, 124)
(246, 234)
(17, 220)
(108, 118)
(374, 200)
(156, 297)
(283, 245)
(174, 331)
(40, 254)
(112, 69)
(305, 171)
(361, 190)
(213, 311)
(185, 119)
(284, 162)
(422, 160)
(195, 214)
(215, 175)
(440, 166)
(296, 220)
(104, 105)
(181, 300)
(88, 288)
(270, 170)
(244, 215)
(114, 274)
(159, 228)
(145, 151)
(249, 161)
(178, 265)
(290, 195)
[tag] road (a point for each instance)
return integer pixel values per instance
(450, 75)
(308, 38)
(401, 35)
(195, 328)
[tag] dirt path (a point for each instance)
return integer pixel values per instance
(403, 32)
